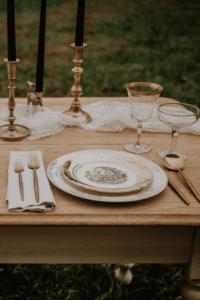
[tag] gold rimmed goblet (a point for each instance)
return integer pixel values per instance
(176, 116)
(143, 97)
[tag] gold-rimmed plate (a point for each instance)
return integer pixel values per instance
(159, 183)
(107, 172)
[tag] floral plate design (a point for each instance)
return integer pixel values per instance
(159, 183)
(107, 172)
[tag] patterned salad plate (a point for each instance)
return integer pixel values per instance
(107, 172)
(125, 170)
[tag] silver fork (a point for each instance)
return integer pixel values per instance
(18, 168)
(33, 163)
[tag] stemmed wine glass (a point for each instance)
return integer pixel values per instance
(142, 99)
(177, 116)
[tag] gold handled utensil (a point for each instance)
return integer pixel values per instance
(176, 163)
(33, 163)
(178, 192)
(18, 168)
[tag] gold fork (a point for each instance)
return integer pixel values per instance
(18, 167)
(33, 163)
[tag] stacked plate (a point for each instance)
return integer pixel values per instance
(109, 176)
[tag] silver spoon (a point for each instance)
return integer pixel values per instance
(176, 163)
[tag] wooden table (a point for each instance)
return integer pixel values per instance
(162, 229)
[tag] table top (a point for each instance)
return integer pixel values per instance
(165, 208)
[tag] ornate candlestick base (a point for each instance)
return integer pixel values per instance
(12, 132)
(19, 133)
(75, 110)
(32, 96)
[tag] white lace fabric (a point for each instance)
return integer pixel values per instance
(106, 115)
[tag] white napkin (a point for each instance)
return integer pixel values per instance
(13, 198)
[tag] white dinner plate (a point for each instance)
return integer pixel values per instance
(107, 172)
(159, 183)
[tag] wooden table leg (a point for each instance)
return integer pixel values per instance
(191, 288)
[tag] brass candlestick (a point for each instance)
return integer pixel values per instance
(32, 96)
(12, 132)
(75, 110)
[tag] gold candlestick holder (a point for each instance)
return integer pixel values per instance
(12, 132)
(76, 91)
(32, 96)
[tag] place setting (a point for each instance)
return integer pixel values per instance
(97, 175)
(105, 175)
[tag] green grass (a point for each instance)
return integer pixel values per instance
(126, 42)
(156, 41)
(89, 282)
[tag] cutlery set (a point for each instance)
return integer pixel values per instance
(176, 163)
(33, 163)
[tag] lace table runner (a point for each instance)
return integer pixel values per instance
(106, 115)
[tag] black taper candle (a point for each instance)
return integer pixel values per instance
(80, 23)
(11, 30)
(41, 48)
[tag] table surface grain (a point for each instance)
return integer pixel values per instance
(165, 208)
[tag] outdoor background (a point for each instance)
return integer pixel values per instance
(128, 40)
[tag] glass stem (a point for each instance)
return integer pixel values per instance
(139, 131)
(174, 139)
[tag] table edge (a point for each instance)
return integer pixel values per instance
(28, 219)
